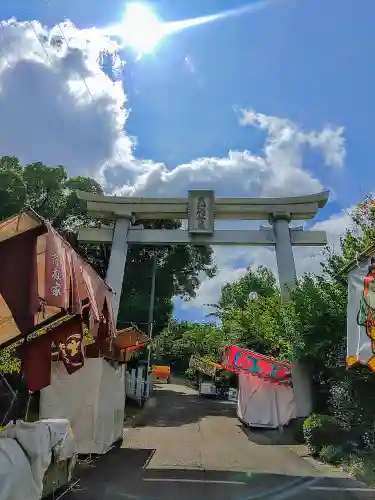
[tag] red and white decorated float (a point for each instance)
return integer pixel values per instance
(265, 390)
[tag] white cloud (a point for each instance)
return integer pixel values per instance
(52, 117)
(47, 112)
(58, 107)
(278, 172)
(285, 139)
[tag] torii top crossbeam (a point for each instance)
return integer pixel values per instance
(201, 209)
(296, 207)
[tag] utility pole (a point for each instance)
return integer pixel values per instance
(151, 306)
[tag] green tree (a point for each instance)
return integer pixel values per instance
(359, 236)
(12, 188)
(48, 190)
(315, 328)
(351, 393)
(260, 282)
(179, 340)
(252, 315)
(256, 323)
(204, 339)
(178, 269)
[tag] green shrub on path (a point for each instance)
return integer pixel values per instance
(323, 430)
(332, 454)
(362, 467)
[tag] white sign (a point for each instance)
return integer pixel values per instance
(201, 211)
(207, 388)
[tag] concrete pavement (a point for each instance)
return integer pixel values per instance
(189, 447)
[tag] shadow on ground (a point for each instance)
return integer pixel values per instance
(268, 437)
(176, 408)
(124, 474)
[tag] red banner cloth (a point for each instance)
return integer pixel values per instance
(68, 338)
(18, 278)
(70, 281)
(240, 360)
(36, 362)
(57, 293)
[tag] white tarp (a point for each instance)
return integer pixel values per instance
(262, 403)
(25, 454)
(92, 399)
(62, 435)
(361, 315)
(36, 441)
(16, 479)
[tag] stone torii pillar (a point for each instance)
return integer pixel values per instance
(284, 253)
(287, 279)
(117, 260)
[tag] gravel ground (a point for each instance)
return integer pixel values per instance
(188, 447)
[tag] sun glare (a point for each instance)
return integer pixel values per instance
(142, 30)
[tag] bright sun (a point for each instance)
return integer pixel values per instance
(142, 30)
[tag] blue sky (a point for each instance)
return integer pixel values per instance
(306, 61)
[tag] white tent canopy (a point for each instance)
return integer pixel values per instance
(262, 403)
(92, 399)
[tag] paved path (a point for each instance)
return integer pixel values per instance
(190, 448)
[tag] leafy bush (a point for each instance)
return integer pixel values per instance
(9, 363)
(352, 402)
(321, 430)
(225, 379)
(332, 454)
(362, 467)
(191, 375)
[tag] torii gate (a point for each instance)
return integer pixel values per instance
(201, 208)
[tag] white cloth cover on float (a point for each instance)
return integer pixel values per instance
(62, 434)
(16, 479)
(262, 403)
(92, 399)
(26, 453)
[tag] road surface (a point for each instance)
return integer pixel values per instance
(190, 448)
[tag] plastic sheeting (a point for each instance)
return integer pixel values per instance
(262, 403)
(25, 454)
(92, 399)
(36, 441)
(62, 435)
(16, 479)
